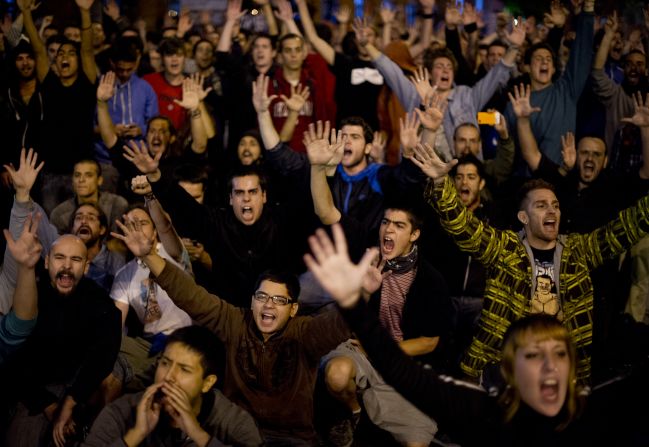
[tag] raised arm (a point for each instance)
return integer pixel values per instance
(427, 7)
(325, 150)
(87, 50)
(261, 101)
(641, 119)
(205, 309)
(161, 220)
(26, 250)
(191, 102)
(321, 46)
(285, 15)
(232, 14)
(605, 46)
(105, 92)
(40, 52)
(294, 104)
(581, 51)
(523, 110)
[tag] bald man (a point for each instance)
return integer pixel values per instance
(72, 349)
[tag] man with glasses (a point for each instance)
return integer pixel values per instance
(87, 221)
(272, 354)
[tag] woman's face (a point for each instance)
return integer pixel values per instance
(541, 374)
(248, 151)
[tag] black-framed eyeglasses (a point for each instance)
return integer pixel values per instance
(263, 297)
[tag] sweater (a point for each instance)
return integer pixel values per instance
(263, 376)
(220, 418)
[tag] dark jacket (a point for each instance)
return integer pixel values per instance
(75, 342)
(361, 196)
(471, 417)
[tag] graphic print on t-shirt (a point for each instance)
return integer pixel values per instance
(545, 298)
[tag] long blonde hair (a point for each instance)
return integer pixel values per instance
(538, 327)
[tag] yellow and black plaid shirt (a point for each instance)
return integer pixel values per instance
(510, 272)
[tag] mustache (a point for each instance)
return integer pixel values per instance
(62, 272)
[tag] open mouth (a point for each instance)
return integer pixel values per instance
(246, 212)
(589, 167)
(388, 244)
(550, 224)
(84, 230)
(465, 193)
(550, 389)
(267, 319)
(65, 280)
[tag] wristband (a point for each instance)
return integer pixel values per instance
(196, 113)
(149, 197)
(471, 27)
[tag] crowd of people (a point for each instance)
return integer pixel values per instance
(275, 230)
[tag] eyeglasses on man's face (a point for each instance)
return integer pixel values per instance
(278, 300)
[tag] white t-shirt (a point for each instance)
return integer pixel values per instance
(131, 286)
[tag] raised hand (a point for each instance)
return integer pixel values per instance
(576, 6)
(612, 24)
(360, 28)
(112, 10)
(408, 133)
(433, 115)
(374, 276)
(140, 185)
(421, 81)
(430, 164)
(190, 99)
(106, 88)
(556, 16)
(84, 4)
(233, 11)
(26, 250)
(343, 14)
(501, 125)
(299, 96)
(521, 101)
(377, 152)
(185, 22)
(331, 266)
(141, 158)
(23, 179)
(452, 16)
(25, 5)
(517, 36)
(568, 150)
(469, 14)
(7, 21)
(641, 116)
(387, 14)
(324, 147)
(260, 99)
(198, 81)
(133, 237)
(284, 10)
